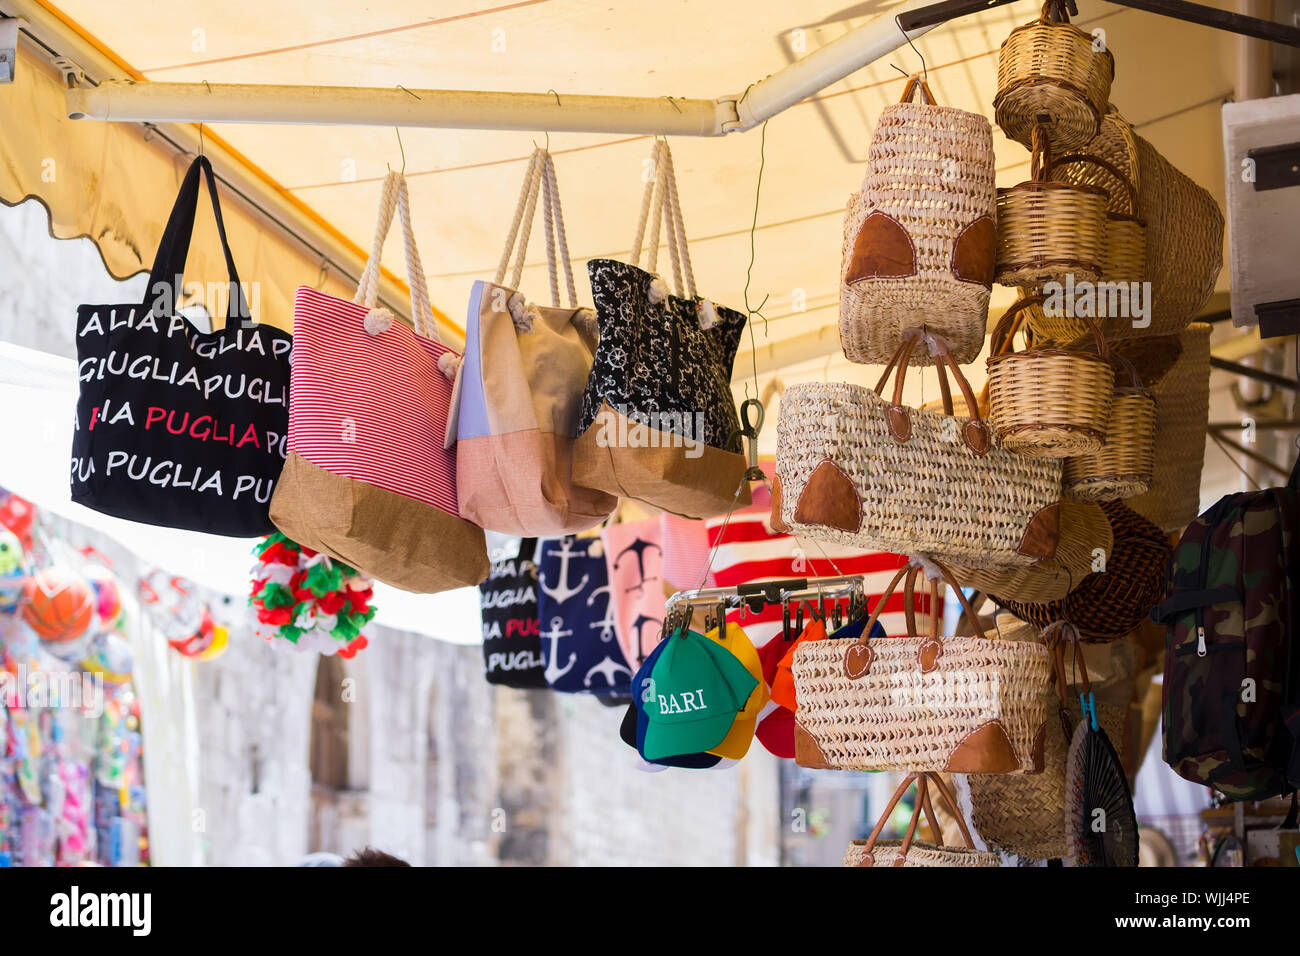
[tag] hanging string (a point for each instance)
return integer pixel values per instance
(749, 270)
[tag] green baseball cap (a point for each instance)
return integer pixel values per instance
(697, 688)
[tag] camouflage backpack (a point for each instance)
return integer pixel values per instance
(1232, 658)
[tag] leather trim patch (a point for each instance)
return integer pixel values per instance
(1040, 748)
(899, 420)
(829, 499)
(974, 252)
(806, 751)
(928, 654)
(986, 749)
(775, 519)
(977, 436)
(857, 661)
(1042, 534)
(882, 250)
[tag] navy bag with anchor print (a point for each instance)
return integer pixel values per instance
(579, 639)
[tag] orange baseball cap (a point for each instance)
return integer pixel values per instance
(736, 744)
(783, 682)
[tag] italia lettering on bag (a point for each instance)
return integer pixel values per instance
(689, 700)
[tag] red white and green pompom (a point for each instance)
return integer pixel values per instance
(309, 599)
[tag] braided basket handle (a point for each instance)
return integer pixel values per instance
(917, 82)
(1040, 153)
(1100, 163)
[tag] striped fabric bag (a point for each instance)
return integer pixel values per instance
(367, 480)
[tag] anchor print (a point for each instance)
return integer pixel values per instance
(553, 671)
(639, 624)
(562, 592)
(607, 623)
(640, 546)
(607, 669)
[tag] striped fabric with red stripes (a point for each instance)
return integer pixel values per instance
(372, 408)
(748, 550)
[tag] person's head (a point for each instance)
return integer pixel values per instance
(369, 856)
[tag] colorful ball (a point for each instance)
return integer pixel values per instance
(108, 596)
(58, 605)
(111, 658)
(13, 570)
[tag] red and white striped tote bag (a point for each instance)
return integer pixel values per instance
(367, 479)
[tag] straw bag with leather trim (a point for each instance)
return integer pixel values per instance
(919, 237)
(855, 468)
(1025, 814)
(909, 851)
(954, 704)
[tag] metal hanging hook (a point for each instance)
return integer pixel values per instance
(924, 72)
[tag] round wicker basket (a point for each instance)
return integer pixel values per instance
(1122, 467)
(1047, 230)
(1049, 402)
(1050, 72)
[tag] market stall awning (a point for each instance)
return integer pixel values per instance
(115, 185)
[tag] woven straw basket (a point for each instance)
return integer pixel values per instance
(1025, 814)
(1084, 528)
(909, 851)
(919, 236)
(1108, 604)
(1048, 402)
(1184, 236)
(956, 704)
(1048, 230)
(1182, 416)
(855, 468)
(1122, 467)
(1048, 72)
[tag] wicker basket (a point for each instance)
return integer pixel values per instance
(1122, 467)
(1182, 417)
(1049, 72)
(1184, 236)
(909, 851)
(919, 236)
(954, 704)
(1108, 604)
(856, 468)
(1048, 402)
(1049, 231)
(1025, 814)
(1084, 529)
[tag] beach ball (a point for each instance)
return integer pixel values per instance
(110, 658)
(58, 605)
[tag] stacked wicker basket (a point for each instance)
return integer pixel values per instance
(1051, 491)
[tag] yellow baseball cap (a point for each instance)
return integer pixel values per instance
(736, 744)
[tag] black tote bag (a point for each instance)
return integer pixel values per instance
(177, 427)
(512, 645)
